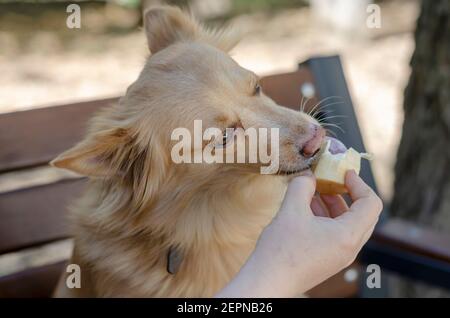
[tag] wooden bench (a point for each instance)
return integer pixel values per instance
(36, 215)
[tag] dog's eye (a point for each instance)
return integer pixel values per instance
(227, 136)
(257, 90)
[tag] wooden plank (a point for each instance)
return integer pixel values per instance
(34, 137)
(36, 282)
(337, 286)
(285, 89)
(414, 238)
(40, 282)
(36, 215)
(407, 264)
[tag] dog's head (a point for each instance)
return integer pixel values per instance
(190, 77)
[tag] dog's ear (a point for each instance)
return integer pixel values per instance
(99, 155)
(166, 25)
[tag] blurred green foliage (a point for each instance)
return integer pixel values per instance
(129, 3)
(241, 6)
(244, 6)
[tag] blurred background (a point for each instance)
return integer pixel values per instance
(44, 63)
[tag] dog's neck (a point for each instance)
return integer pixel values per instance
(223, 213)
(215, 227)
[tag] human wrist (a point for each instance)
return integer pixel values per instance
(260, 277)
(273, 276)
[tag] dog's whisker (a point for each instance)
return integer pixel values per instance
(333, 125)
(329, 124)
(304, 104)
(329, 131)
(331, 113)
(331, 117)
(321, 108)
(301, 104)
(328, 111)
(320, 102)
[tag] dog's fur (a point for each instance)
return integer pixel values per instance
(139, 204)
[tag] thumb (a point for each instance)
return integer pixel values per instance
(300, 192)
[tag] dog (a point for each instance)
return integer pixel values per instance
(146, 226)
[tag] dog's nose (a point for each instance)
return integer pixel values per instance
(312, 146)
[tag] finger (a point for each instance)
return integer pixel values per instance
(335, 203)
(366, 208)
(366, 236)
(357, 188)
(359, 224)
(318, 208)
(365, 200)
(369, 234)
(300, 192)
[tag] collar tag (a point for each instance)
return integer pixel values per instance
(174, 260)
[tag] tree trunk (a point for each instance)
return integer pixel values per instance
(422, 183)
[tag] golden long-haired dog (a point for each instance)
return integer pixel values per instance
(149, 227)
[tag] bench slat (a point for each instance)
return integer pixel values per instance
(337, 286)
(285, 89)
(414, 238)
(34, 137)
(36, 215)
(41, 281)
(36, 282)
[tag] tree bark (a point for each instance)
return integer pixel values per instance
(422, 183)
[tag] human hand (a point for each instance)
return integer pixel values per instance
(309, 240)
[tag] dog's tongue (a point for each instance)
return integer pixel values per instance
(336, 146)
